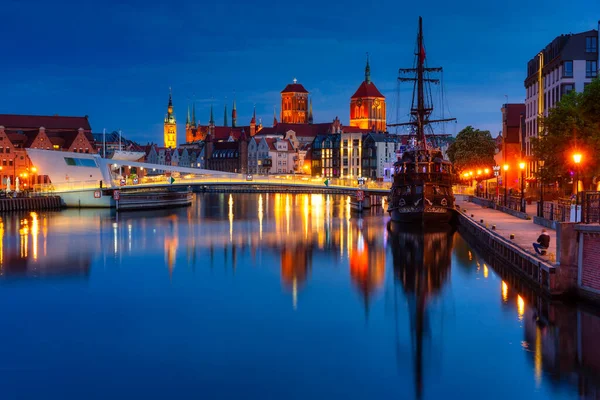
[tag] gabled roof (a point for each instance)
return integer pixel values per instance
(294, 88)
(367, 90)
(50, 122)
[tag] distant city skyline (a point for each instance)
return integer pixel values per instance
(116, 62)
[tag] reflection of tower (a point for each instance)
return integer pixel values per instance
(421, 265)
(295, 268)
(367, 268)
(171, 243)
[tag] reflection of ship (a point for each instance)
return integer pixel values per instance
(422, 186)
(421, 265)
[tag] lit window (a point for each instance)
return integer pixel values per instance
(568, 69)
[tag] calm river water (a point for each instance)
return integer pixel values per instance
(273, 297)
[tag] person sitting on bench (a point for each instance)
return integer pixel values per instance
(543, 242)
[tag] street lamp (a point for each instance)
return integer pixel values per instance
(541, 205)
(505, 189)
(496, 169)
(522, 167)
(577, 160)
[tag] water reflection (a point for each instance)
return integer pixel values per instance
(254, 276)
(20, 252)
(422, 259)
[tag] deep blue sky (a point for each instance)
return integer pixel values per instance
(115, 61)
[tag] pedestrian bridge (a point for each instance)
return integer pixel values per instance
(76, 172)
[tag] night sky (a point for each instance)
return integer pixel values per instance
(115, 61)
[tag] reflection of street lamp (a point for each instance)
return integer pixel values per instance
(522, 166)
(577, 160)
(505, 189)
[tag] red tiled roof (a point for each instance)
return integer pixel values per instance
(271, 143)
(223, 132)
(295, 88)
(50, 122)
(367, 90)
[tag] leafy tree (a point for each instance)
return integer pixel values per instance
(472, 149)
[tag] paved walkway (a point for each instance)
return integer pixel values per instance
(525, 231)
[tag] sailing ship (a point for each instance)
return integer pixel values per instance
(422, 182)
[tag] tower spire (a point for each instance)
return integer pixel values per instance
(194, 112)
(368, 71)
(225, 115)
(212, 118)
(234, 114)
(274, 115)
(187, 119)
(310, 114)
(253, 121)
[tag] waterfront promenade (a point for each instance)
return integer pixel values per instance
(525, 231)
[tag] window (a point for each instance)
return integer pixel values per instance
(591, 69)
(7, 150)
(591, 44)
(81, 162)
(1, 149)
(568, 69)
(566, 89)
(10, 163)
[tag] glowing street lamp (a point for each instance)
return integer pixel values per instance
(577, 160)
(487, 171)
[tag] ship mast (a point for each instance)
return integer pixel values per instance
(420, 111)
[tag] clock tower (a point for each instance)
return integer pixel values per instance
(170, 125)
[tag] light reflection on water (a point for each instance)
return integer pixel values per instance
(273, 296)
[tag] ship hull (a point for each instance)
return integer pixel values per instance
(435, 215)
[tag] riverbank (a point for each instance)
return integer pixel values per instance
(510, 238)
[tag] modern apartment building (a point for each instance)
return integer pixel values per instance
(567, 63)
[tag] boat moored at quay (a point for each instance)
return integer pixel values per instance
(422, 183)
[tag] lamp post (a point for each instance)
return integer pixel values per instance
(505, 188)
(496, 169)
(577, 160)
(487, 173)
(522, 166)
(541, 204)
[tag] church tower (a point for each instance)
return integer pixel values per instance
(294, 104)
(367, 105)
(170, 125)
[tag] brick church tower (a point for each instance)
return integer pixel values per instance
(294, 104)
(367, 105)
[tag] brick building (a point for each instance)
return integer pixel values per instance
(19, 132)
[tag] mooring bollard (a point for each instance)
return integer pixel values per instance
(493, 227)
(472, 215)
(512, 236)
(481, 221)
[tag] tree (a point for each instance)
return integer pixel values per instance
(472, 149)
(572, 125)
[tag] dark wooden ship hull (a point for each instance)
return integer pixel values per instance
(436, 215)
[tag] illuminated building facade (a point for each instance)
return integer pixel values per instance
(294, 104)
(170, 127)
(367, 106)
(20, 132)
(569, 62)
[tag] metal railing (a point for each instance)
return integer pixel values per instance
(557, 211)
(590, 207)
